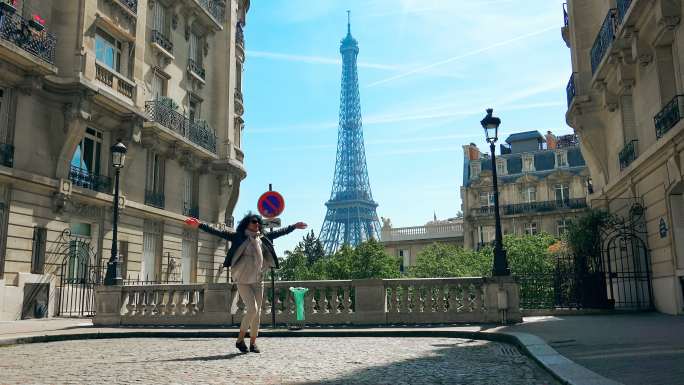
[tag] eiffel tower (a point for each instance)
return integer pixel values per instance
(351, 217)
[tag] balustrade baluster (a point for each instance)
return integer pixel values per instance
(171, 304)
(455, 295)
(129, 303)
(439, 296)
(139, 302)
(149, 302)
(326, 304)
(347, 300)
(335, 300)
(405, 308)
(194, 298)
(428, 299)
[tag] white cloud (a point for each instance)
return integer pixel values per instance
(316, 60)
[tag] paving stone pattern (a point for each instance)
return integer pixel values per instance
(359, 360)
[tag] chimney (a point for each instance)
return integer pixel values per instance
(551, 141)
(473, 152)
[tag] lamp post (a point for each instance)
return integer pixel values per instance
(491, 126)
(113, 276)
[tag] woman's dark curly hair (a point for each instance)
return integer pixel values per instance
(242, 226)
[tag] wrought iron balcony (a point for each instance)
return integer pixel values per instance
(215, 8)
(542, 207)
(161, 111)
(240, 36)
(159, 38)
(83, 178)
(239, 103)
(482, 211)
(199, 132)
(190, 210)
(566, 141)
(155, 199)
(669, 116)
(570, 89)
(130, 4)
(628, 154)
(6, 155)
(18, 31)
(566, 17)
(622, 8)
(196, 68)
(604, 39)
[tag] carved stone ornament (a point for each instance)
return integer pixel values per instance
(62, 203)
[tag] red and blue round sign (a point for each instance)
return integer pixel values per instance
(271, 204)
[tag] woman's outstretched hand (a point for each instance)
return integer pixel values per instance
(192, 222)
(301, 225)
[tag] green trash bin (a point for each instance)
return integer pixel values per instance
(298, 293)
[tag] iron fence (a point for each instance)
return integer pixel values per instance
(131, 4)
(604, 39)
(539, 207)
(18, 31)
(215, 8)
(153, 198)
(199, 132)
(162, 112)
(159, 38)
(196, 68)
(83, 178)
(628, 154)
(669, 116)
(565, 141)
(190, 211)
(570, 90)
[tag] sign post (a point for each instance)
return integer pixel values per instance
(270, 205)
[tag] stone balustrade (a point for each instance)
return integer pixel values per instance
(447, 230)
(348, 302)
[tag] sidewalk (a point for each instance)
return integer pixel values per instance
(646, 348)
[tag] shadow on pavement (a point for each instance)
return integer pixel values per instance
(190, 359)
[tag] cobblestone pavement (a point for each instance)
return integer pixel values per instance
(300, 360)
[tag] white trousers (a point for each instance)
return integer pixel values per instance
(252, 295)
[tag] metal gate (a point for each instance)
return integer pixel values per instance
(80, 272)
(626, 259)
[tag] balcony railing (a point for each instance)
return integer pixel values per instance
(160, 39)
(446, 230)
(199, 132)
(343, 302)
(215, 8)
(83, 178)
(484, 210)
(622, 8)
(566, 17)
(17, 30)
(240, 35)
(628, 154)
(196, 68)
(190, 210)
(566, 141)
(155, 199)
(604, 39)
(6, 155)
(114, 81)
(570, 89)
(132, 5)
(669, 116)
(542, 207)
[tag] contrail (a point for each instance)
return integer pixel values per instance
(455, 58)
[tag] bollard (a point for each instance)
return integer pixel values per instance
(299, 293)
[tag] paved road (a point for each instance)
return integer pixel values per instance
(302, 360)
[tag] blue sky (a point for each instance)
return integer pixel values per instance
(427, 71)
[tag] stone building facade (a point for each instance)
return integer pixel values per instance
(164, 77)
(407, 242)
(625, 103)
(542, 187)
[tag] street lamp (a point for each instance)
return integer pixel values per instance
(113, 276)
(491, 126)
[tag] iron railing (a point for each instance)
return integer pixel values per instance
(17, 30)
(628, 154)
(83, 178)
(565, 141)
(131, 4)
(6, 155)
(215, 8)
(669, 116)
(566, 17)
(159, 38)
(547, 206)
(604, 39)
(198, 132)
(190, 211)
(239, 35)
(622, 8)
(196, 68)
(153, 198)
(570, 89)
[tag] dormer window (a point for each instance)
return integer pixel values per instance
(561, 159)
(501, 167)
(475, 170)
(528, 162)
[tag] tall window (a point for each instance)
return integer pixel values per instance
(151, 247)
(38, 252)
(486, 199)
(196, 48)
(501, 168)
(528, 163)
(529, 194)
(562, 192)
(5, 133)
(123, 257)
(190, 193)
(531, 228)
(475, 169)
(79, 253)
(562, 226)
(158, 86)
(405, 258)
(561, 159)
(486, 234)
(108, 50)
(195, 109)
(88, 154)
(3, 230)
(188, 257)
(154, 187)
(160, 18)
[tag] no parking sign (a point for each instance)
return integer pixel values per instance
(271, 204)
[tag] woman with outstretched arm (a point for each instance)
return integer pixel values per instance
(251, 253)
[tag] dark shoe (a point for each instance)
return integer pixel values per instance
(242, 346)
(254, 349)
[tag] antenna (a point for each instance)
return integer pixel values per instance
(349, 22)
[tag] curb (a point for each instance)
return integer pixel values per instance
(563, 369)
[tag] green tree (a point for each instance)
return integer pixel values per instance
(529, 254)
(441, 260)
(312, 248)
